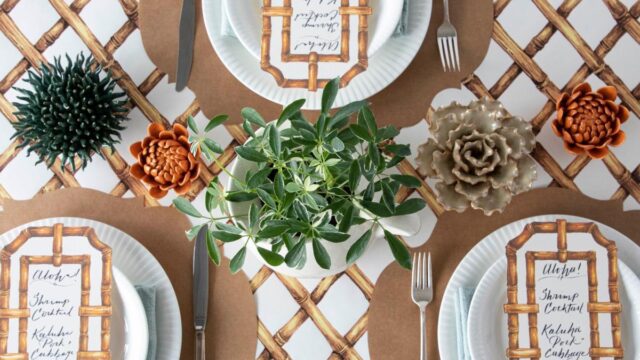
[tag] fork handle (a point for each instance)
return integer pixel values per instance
(423, 334)
(446, 10)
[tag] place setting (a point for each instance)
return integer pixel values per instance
(313, 157)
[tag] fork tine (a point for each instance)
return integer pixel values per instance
(451, 41)
(425, 280)
(447, 54)
(414, 268)
(456, 52)
(420, 276)
(442, 53)
(429, 272)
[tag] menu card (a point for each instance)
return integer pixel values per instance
(563, 285)
(54, 307)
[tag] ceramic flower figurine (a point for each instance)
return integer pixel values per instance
(479, 154)
(589, 122)
(165, 161)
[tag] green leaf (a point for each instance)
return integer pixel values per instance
(294, 256)
(212, 249)
(321, 255)
(238, 260)
(186, 207)
(367, 120)
(225, 236)
(301, 211)
(210, 201)
(358, 247)
(213, 146)
(272, 258)
(410, 206)
(332, 234)
(374, 154)
(399, 251)
(387, 132)
(290, 111)
(215, 122)
(347, 219)
(266, 198)
(228, 228)
(191, 123)
(346, 111)
(251, 154)
(254, 213)
(253, 116)
(354, 176)
(407, 180)
(361, 132)
(278, 186)
(377, 209)
(246, 125)
(293, 187)
(337, 145)
(240, 196)
(329, 94)
(399, 149)
(273, 229)
(274, 140)
(258, 178)
(388, 197)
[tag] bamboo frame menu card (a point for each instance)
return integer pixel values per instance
(305, 43)
(52, 295)
(568, 306)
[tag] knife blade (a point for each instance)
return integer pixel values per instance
(185, 43)
(200, 289)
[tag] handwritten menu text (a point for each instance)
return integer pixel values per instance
(563, 320)
(54, 298)
(316, 27)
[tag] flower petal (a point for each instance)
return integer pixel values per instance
(154, 130)
(180, 130)
(583, 88)
(135, 149)
(495, 201)
(504, 175)
(182, 189)
(572, 148)
(443, 164)
(618, 138)
(623, 113)
(527, 173)
(598, 153)
(167, 135)
(450, 199)
(473, 192)
(608, 92)
(137, 171)
(155, 192)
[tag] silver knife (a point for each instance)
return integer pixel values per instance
(185, 42)
(200, 290)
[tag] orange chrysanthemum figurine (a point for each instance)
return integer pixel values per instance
(589, 122)
(165, 161)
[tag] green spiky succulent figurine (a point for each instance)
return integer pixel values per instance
(70, 111)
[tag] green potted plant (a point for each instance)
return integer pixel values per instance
(308, 198)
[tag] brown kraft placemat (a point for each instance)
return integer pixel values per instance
(403, 103)
(232, 326)
(394, 320)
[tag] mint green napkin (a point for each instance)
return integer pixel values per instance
(463, 302)
(148, 297)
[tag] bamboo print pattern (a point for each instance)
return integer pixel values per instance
(523, 67)
(57, 259)
(312, 83)
(531, 308)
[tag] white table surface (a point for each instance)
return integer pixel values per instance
(344, 303)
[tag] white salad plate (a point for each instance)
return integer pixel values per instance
(129, 330)
(488, 322)
(392, 58)
(492, 248)
(138, 266)
(245, 17)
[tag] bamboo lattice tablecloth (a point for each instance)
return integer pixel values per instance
(294, 314)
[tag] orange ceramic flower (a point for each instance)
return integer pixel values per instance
(589, 121)
(165, 161)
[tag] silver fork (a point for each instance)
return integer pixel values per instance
(422, 293)
(448, 43)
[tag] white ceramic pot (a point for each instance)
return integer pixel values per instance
(399, 225)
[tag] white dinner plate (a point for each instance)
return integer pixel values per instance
(478, 261)
(388, 63)
(141, 268)
(245, 17)
(488, 322)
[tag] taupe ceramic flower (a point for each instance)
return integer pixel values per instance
(480, 155)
